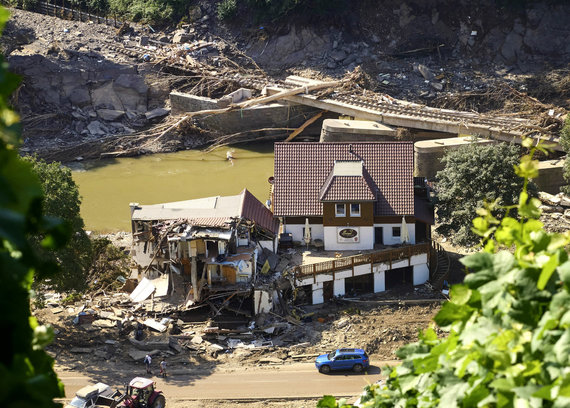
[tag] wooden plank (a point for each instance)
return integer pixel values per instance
(303, 126)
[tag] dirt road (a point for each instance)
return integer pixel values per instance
(287, 383)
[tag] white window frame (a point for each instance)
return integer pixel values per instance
(353, 213)
(336, 207)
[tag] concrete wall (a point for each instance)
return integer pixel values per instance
(340, 130)
(428, 153)
(550, 176)
(279, 114)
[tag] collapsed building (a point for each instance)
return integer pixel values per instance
(202, 248)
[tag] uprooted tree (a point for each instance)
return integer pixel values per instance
(473, 174)
(508, 324)
(27, 377)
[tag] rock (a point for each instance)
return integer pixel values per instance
(342, 323)
(338, 55)
(79, 97)
(103, 323)
(96, 128)
(424, 71)
(110, 115)
(197, 339)
(511, 47)
(132, 91)
(549, 198)
(564, 201)
(82, 350)
(436, 85)
(181, 37)
(157, 113)
(105, 97)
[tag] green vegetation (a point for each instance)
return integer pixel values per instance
(227, 9)
(472, 175)
(61, 200)
(26, 372)
(565, 143)
(108, 263)
(508, 324)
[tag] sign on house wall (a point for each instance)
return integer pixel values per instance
(348, 234)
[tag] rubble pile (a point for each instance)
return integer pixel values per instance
(113, 327)
(555, 212)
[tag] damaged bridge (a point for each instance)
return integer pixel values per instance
(392, 112)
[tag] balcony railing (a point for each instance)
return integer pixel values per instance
(384, 256)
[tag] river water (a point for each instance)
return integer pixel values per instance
(108, 186)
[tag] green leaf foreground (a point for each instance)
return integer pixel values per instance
(508, 324)
(27, 378)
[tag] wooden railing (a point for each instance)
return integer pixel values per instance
(385, 256)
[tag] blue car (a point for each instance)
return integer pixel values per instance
(343, 359)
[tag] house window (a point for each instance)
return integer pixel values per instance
(395, 231)
(355, 210)
(340, 210)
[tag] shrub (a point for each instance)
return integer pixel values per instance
(473, 174)
(227, 9)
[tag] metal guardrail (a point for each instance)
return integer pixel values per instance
(349, 262)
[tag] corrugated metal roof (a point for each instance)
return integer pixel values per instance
(218, 211)
(301, 170)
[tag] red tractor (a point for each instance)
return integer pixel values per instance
(141, 393)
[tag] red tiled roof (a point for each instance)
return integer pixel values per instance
(347, 188)
(252, 209)
(301, 170)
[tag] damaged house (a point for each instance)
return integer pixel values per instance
(203, 246)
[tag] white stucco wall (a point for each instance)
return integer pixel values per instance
(366, 239)
(379, 281)
(339, 287)
(318, 296)
(421, 274)
(391, 240)
(297, 231)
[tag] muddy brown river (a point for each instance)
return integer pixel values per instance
(108, 186)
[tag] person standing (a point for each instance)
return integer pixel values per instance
(163, 368)
(147, 361)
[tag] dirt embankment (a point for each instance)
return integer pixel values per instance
(90, 89)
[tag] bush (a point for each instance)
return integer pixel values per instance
(473, 174)
(227, 9)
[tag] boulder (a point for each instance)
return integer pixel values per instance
(110, 115)
(181, 37)
(157, 113)
(96, 128)
(79, 97)
(105, 97)
(512, 47)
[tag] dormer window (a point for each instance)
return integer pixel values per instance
(355, 210)
(340, 210)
